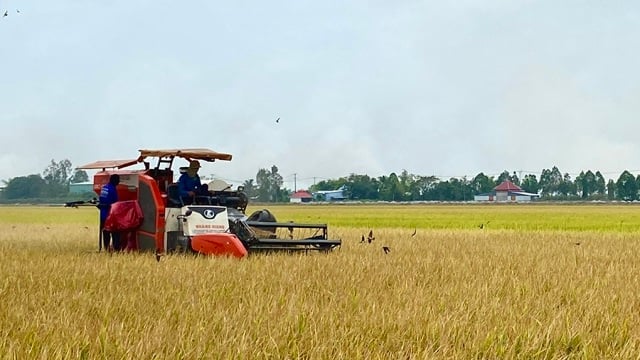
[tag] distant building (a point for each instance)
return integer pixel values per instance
(330, 195)
(81, 188)
(506, 192)
(301, 196)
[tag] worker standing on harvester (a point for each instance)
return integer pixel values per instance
(108, 196)
(189, 184)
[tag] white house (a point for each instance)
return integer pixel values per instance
(506, 192)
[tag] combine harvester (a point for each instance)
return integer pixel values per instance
(215, 225)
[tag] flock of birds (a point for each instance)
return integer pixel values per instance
(370, 238)
(6, 13)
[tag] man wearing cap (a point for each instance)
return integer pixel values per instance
(189, 182)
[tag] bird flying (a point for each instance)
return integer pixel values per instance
(386, 249)
(415, 231)
(370, 238)
(6, 13)
(277, 120)
(362, 240)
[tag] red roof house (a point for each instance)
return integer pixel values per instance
(300, 196)
(506, 191)
(507, 186)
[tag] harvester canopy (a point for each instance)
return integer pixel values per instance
(108, 164)
(192, 154)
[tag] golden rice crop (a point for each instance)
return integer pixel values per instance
(524, 286)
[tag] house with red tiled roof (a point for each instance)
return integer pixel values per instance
(301, 196)
(506, 192)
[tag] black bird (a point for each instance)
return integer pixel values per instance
(277, 120)
(481, 226)
(415, 231)
(576, 243)
(370, 238)
(386, 249)
(6, 13)
(362, 240)
(158, 256)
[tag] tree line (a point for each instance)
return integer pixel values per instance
(552, 184)
(267, 186)
(53, 183)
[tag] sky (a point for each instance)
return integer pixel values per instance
(444, 88)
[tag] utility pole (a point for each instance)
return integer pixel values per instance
(294, 183)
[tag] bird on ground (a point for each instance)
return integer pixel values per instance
(370, 238)
(415, 231)
(158, 256)
(576, 243)
(386, 249)
(481, 226)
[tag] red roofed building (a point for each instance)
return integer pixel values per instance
(301, 196)
(506, 191)
(507, 186)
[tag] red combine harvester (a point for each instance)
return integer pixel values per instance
(214, 224)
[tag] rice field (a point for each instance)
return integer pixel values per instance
(474, 282)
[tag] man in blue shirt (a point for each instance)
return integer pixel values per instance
(189, 184)
(108, 196)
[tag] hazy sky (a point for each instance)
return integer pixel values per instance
(445, 88)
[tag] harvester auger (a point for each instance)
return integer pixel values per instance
(214, 224)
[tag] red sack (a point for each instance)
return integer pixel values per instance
(124, 216)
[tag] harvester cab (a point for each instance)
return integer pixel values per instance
(212, 223)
